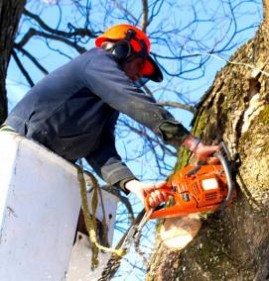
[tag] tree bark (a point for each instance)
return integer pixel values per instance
(10, 14)
(235, 109)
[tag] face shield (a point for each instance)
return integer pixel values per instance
(150, 69)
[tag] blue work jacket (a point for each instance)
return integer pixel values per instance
(73, 112)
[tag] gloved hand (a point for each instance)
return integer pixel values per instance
(141, 189)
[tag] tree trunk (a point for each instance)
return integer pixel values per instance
(10, 14)
(235, 109)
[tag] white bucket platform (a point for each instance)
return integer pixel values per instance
(39, 208)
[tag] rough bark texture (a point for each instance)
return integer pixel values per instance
(235, 109)
(10, 14)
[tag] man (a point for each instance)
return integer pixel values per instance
(73, 110)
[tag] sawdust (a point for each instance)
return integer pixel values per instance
(177, 233)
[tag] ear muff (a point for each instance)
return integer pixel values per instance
(123, 49)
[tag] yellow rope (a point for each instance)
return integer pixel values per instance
(90, 220)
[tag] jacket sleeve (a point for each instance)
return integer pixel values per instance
(107, 163)
(105, 77)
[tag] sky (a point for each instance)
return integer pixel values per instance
(172, 14)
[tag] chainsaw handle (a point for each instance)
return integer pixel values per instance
(225, 162)
(167, 190)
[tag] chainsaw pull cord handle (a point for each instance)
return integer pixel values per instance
(227, 170)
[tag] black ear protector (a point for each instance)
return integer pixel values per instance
(123, 49)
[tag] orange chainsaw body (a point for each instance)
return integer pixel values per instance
(193, 189)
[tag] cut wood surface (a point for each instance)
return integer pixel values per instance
(177, 233)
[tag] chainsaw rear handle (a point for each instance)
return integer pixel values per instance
(166, 190)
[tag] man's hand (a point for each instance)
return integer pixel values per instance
(142, 189)
(202, 152)
(205, 152)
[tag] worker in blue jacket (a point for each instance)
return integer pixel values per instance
(73, 110)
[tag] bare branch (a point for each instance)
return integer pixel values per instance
(187, 107)
(120, 7)
(83, 32)
(33, 32)
(144, 134)
(145, 22)
(22, 69)
(32, 58)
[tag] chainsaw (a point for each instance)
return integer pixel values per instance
(197, 188)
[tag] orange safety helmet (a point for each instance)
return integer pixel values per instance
(133, 41)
